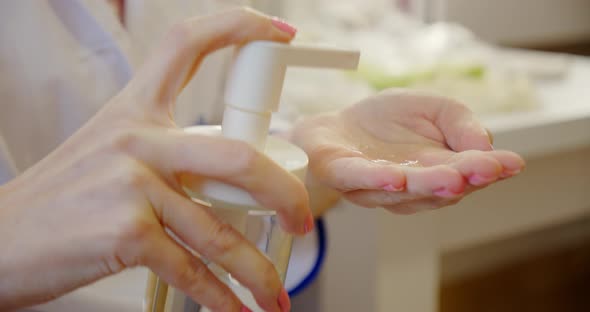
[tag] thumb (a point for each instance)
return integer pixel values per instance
(461, 128)
(178, 57)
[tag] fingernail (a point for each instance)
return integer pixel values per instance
(391, 188)
(443, 192)
(308, 226)
(245, 309)
(478, 180)
(284, 26)
(284, 302)
(509, 173)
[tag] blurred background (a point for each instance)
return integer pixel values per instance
(522, 66)
(523, 245)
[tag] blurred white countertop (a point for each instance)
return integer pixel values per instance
(561, 122)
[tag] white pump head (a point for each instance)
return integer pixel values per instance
(252, 95)
(256, 81)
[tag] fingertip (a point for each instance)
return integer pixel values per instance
(297, 220)
(283, 26)
(510, 161)
(289, 225)
(284, 301)
(255, 25)
(475, 138)
(479, 168)
(461, 129)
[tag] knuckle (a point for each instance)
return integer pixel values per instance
(131, 241)
(134, 180)
(197, 281)
(223, 239)
(114, 264)
(192, 278)
(139, 230)
(226, 302)
(131, 175)
(125, 140)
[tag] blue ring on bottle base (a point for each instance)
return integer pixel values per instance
(313, 274)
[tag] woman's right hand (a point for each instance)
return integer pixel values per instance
(101, 202)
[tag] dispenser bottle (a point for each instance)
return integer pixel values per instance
(252, 94)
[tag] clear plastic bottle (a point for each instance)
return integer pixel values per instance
(262, 228)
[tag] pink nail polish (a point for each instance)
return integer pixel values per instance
(245, 309)
(308, 226)
(284, 26)
(284, 302)
(391, 188)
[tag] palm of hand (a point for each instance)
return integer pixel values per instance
(404, 152)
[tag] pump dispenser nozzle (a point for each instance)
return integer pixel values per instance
(256, 81)
(253, 93)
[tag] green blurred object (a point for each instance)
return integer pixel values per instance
(380, 80)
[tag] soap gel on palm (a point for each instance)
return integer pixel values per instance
(252, 95)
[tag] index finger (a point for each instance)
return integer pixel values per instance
(221, 243)
(234, 162)
(176, 60)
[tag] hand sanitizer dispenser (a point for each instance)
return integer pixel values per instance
(252, 94)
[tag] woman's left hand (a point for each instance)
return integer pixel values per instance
(403, 151)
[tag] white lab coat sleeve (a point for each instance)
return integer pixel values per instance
(7, 167)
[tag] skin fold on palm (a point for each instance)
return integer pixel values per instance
(403, 151)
